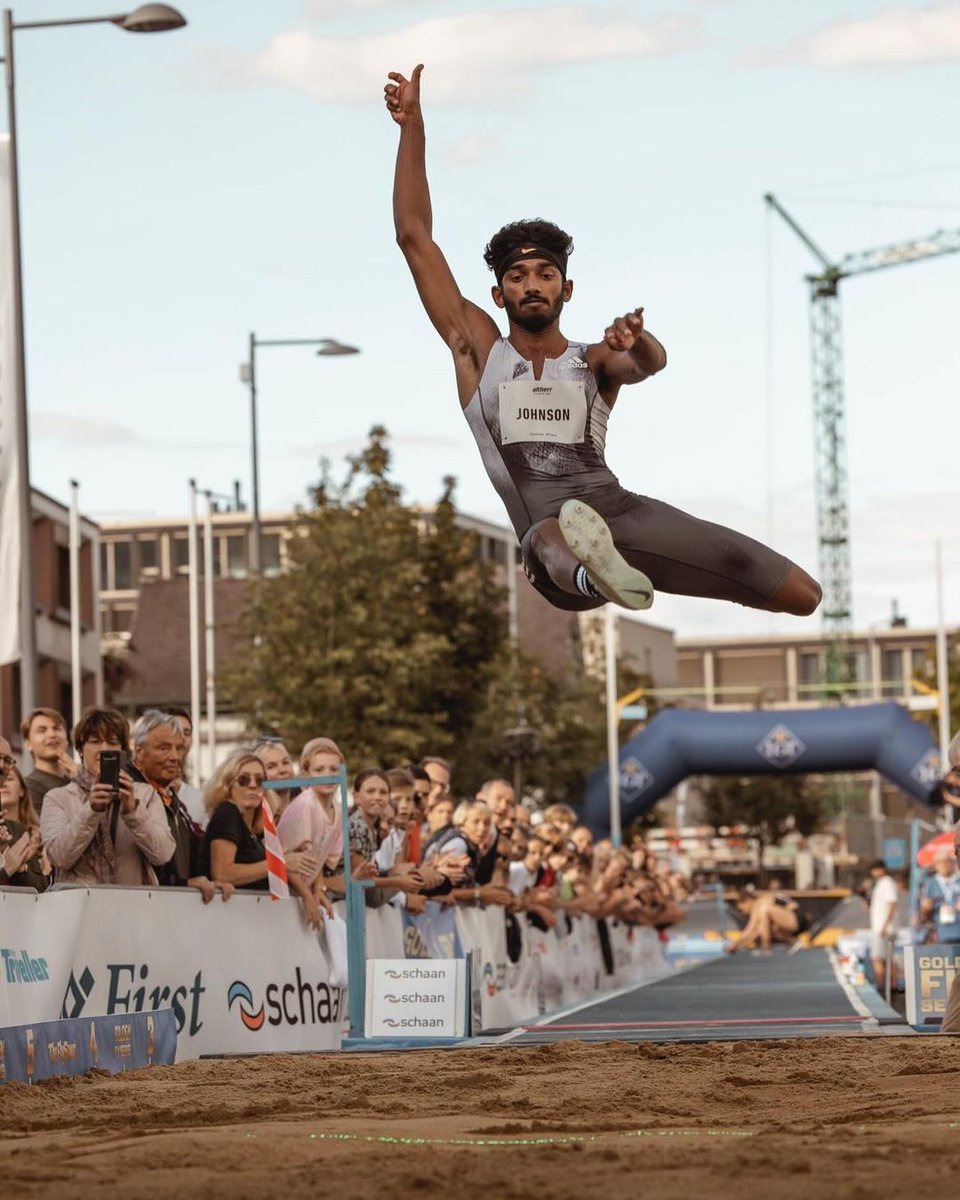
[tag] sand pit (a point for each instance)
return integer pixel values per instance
(801, 1119)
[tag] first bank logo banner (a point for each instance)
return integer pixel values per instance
(409, 998)
(244, 976)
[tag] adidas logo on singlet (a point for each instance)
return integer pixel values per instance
(576, 363)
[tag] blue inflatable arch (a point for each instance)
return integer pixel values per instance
(680, 742)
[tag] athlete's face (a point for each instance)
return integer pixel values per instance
(533, 293)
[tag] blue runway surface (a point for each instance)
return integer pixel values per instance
(734, 997)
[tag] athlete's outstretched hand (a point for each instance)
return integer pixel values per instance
(402, 96)
(625, 331)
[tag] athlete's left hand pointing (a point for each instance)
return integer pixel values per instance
(625, 331)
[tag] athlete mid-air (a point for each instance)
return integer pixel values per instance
(538, 407)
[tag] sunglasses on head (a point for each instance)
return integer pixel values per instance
(250, 781)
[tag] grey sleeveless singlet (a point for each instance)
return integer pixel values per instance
(542, 442)
(534, 477)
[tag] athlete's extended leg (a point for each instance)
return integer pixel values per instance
(688, 556)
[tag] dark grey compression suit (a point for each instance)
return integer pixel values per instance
(541, 448)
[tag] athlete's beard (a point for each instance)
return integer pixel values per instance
(534, 320)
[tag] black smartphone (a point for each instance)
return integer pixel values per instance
(110, 768)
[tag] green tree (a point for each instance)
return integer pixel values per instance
(373, 633)
(769, 805)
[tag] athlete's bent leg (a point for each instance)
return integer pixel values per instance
(545, 543)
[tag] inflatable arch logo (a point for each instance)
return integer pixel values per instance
(681, 742)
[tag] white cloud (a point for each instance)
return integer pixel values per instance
(469, 56)
(896, 35)
(470, 149)
(75, 430)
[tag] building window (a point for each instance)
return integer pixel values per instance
(63, 577)
(270, 553)
(149, 558)
(104, 576)
(235, 557)
(809, 670)
(891, 672)
(919, 660)
(123, 565)
(181, 554)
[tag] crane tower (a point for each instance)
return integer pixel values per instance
(829, 424)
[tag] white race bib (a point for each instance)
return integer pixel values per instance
(553, 410)
(948, 914)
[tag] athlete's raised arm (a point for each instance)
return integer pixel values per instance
(627, 354)
(467, 329)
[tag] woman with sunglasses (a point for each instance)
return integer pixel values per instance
(233, 851)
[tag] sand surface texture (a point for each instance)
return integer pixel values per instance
(801, 1119)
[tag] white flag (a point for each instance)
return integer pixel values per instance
(9, 468)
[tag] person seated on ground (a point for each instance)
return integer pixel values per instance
(771, 917)
(233, 852)
(273, 753)
(93, 833)
(21, 863)
(44, 734)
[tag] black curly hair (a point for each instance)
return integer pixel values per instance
(538, 233)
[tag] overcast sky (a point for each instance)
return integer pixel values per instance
(181, 190)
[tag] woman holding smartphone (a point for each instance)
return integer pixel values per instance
(102, 827)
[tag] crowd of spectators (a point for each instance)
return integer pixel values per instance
(408, 831)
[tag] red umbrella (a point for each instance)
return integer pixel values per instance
(928, 852)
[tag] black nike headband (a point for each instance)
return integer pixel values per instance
(518, 253)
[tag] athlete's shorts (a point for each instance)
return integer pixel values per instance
(680, 554)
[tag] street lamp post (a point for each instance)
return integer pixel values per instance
(148, 18)
(328, 348)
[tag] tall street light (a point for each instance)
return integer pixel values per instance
(328, 348)
(148, 18)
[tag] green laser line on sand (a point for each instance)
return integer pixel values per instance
(388, 1140)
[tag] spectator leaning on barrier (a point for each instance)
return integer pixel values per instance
(44, 734)
(438, 772)
(20, 864)
(273, 753)
(233, 853)
(313, 819)
(190, 796)
(157, 761)
(93, 834)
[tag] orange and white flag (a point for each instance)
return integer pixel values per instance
(276, 864)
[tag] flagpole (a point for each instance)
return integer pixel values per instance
(613, 723)
(210, 664)
(76, 676)
(194, 611)
(943, 677)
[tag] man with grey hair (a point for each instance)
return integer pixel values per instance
(951, 788)
(157, 743)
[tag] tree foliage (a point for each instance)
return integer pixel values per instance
(389, 634)
(769, 805)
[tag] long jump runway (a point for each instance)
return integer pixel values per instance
(734, 997)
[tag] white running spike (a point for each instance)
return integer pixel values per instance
(589, 538)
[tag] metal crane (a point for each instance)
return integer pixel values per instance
(829, 422)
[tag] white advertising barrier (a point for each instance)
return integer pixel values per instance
(416, 998)
(509, 991)
(638, 954)
(384, 932)
(242, 977)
